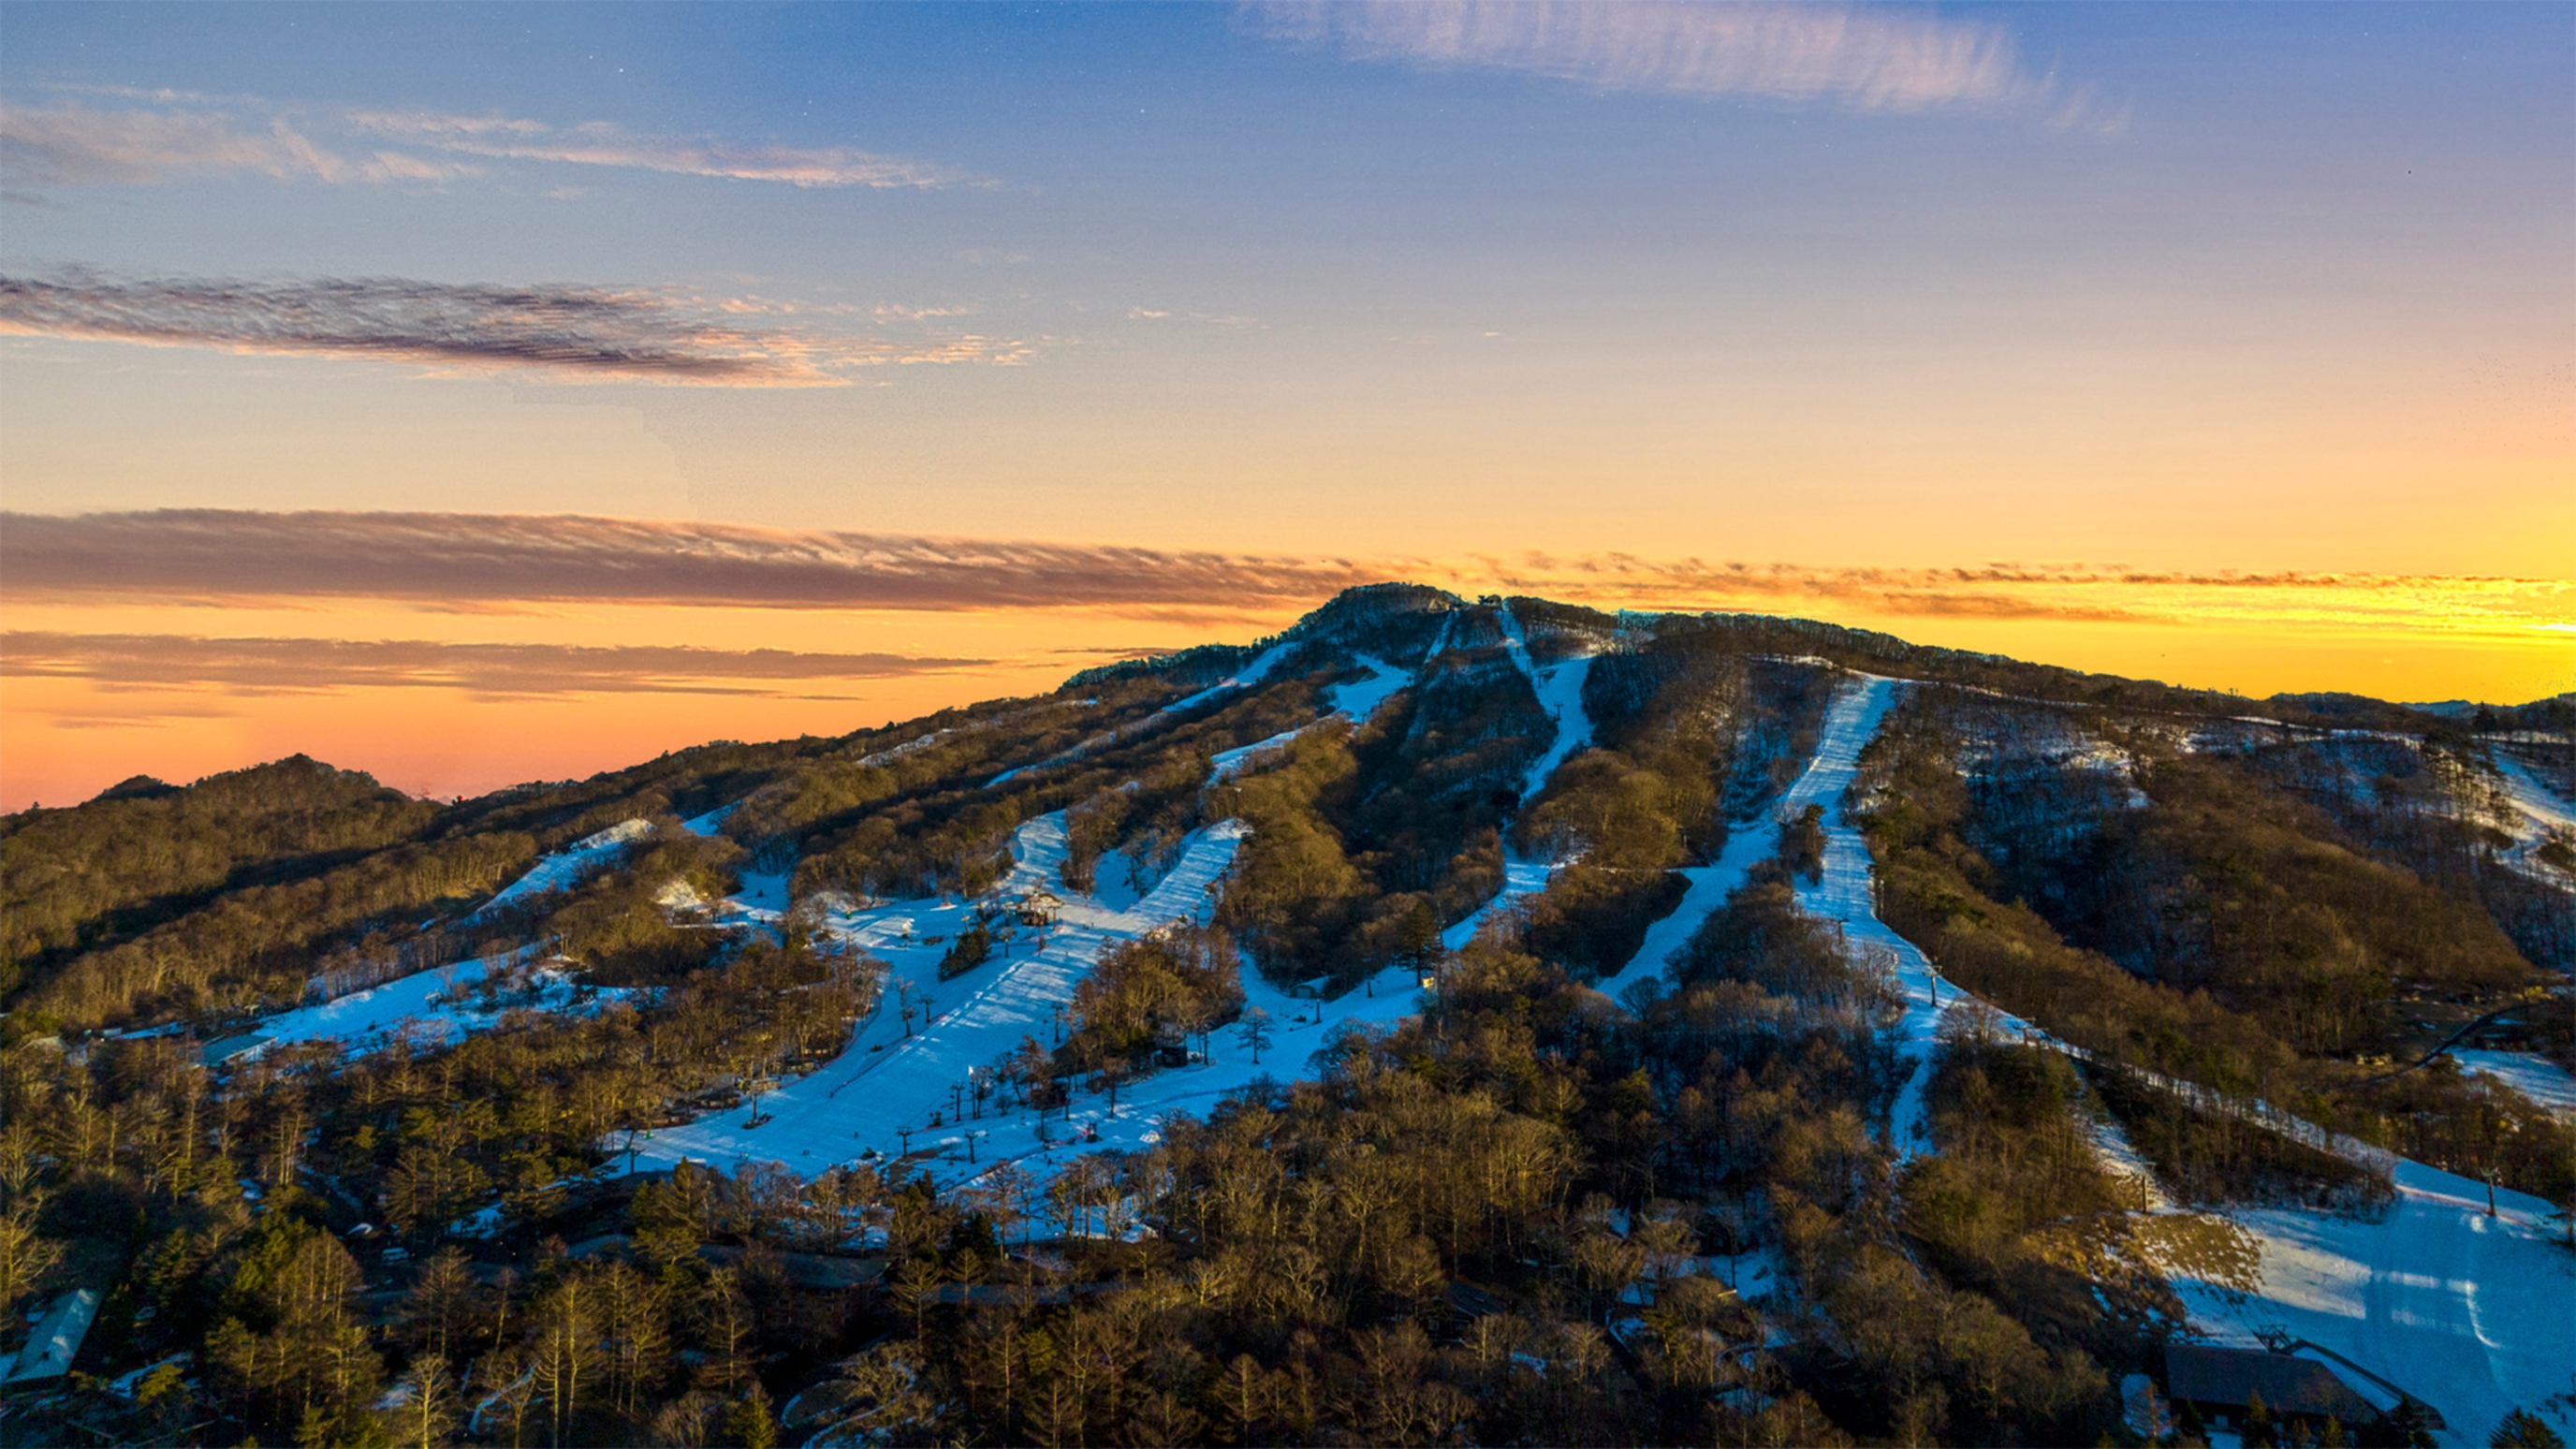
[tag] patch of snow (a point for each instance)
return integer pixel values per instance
(1359, 699)
(440, 1005)
(483, 1222)
(892, 1078)
(2467, 1312)
(1520, 878)
(125, 1384)
(1244, 678)
(711, 822)
(1355, 702)
(898, 1075)
(2529, 1073)
(1230, 763)
(572, 865)
(2543, 811)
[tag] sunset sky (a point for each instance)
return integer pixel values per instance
(472, 395)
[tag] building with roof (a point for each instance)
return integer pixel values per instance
(2294, 1380)
(49, 1351)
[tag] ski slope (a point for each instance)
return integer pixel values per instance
(2544, 812)
(1244, 678)
(440, 1004)
(1560, 697)
(896, 1075)
(2469, 1313)
(1355, 701)
(1520, 878)
(2529, 1073)
(572, 865)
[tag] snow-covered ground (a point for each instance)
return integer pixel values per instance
(1850, 721)
(2543, 810)
(573, 864)
(2529, 1073)
(441, 1004)
(1520, 878)
(897, 1075)
(1560, 695)
(1244, 678)
(2468, 1312)
(1355, 701)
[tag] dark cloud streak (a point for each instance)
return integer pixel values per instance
(582, 333)
(284, 666)
(454, 559)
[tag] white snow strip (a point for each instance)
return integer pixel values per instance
(1355, 702)
(572, 865)
(1560, 693)
(2529, 1073)
(1360, 698)
(711, 822)
(1226, 764)
(1251, 674)
(2542, 809)
(1850, 721)
(1520, 878)
(441, 1004)
(1560, 696)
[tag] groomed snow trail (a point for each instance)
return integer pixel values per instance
(2468, 1312)
(1244, 678)
(1560, 698)
(1850, 720)
(2529, 1073)
(1355, 702)
(2542, 809)
(571, 865)
(895, 1075)
(366, 1020)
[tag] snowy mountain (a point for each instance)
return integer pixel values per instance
(1448, 1018)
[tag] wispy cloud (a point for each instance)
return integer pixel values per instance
(159, 136)
(1856, 58)
(463, 559)
(568, 330)
(598, 143)
(258, 666)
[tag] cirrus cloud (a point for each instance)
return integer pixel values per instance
(1856, 58)
(162, 135)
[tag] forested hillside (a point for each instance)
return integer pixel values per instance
(1448, 1021)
